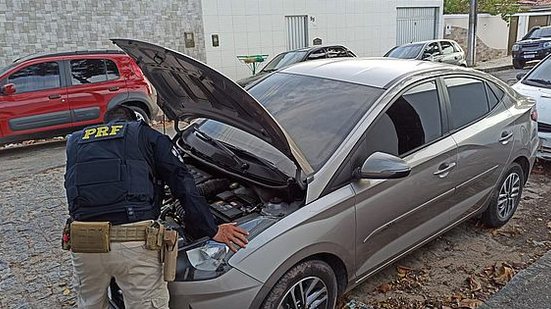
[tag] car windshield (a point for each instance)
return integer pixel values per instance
(406, 51)
(283, 60)
(540, 33)
(540, 76)
(317, 114)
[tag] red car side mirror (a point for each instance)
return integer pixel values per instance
(8, 89)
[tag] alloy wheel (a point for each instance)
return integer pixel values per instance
(308, 293)
(508, 196)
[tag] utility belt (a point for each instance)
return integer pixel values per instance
(96, 237)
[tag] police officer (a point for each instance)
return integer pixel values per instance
(110, 176)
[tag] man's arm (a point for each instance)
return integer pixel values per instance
(198, 219)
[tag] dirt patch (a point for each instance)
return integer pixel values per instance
(465, 266)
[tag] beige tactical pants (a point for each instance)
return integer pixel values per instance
(137, 270)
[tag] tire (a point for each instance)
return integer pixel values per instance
(315, 276)
(140, 113)
(518, 64)
(505, 198)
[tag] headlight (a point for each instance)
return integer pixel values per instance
(546, 44)
(516, 47)
(208, 257)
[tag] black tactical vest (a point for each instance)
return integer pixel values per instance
(108, 177)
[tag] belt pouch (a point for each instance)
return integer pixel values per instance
(90, 237)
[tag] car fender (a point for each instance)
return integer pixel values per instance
(325, 226)
(122, 98)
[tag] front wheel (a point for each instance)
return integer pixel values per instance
(518, 64)
(308, 285)
(506, 198)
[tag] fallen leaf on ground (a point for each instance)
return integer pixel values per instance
(549, 224)
(474, 284)
(403, 269)
(66, 292)
(469, 303)
(385, 287)
(503, 273)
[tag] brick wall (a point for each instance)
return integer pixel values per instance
(30, 26)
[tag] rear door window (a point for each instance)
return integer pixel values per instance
(36, 77)
(468, 100)
(447, 48)
(88, 71)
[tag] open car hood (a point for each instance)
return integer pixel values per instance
(188, 89)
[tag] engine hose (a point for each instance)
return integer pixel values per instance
(212, 187)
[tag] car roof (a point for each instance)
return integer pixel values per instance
(67, 53)
(314, 48)
(427, 41)
(376, 72)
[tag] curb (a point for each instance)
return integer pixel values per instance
(530, 288)
(496, 69)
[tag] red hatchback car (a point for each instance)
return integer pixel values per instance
(53, 94)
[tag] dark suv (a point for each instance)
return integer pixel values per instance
(48, 95)
(535, 45)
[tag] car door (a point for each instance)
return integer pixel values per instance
(93, 83)
(393, 215)
(39, 103)
(483, 129)
(432, 52)
(449, 54)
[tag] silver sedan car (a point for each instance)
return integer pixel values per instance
(336, 167)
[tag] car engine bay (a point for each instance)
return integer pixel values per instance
(230, 199)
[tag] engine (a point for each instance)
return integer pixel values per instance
(230, 199)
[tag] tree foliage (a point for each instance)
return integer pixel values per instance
(504, 8)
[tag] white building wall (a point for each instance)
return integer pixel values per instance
(247, 27)
(492, 30)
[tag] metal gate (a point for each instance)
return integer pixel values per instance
(297, 31)
(416, 24)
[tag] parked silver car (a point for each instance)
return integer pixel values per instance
(336, 167)
(445, 51)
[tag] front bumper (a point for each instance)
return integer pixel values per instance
(531, 55)
(544, 151)
(233, 290)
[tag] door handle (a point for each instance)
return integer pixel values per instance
(444, 169)
(54, 96)
(113, 88)
(505, 137)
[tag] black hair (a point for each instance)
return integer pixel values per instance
(120, 113)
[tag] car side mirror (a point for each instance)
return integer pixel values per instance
(382, 165)
(8, 89)
(521, 75)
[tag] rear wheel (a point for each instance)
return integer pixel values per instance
(518, 64)
(506, 198)
(308, 285)
(140, 114)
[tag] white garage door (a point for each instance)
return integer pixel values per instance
(415, 24)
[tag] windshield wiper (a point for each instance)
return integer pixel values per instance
(539, 81)
(204, 136)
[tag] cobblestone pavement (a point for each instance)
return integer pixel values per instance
(34, 271)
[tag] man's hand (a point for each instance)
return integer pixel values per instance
(231, 234)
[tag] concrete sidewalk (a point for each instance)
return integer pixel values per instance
(495, 65)
(529, 289)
